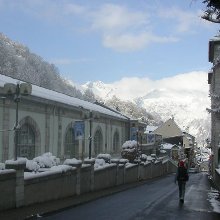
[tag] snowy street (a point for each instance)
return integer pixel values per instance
(156, 199)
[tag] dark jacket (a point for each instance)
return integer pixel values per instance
(182, 174)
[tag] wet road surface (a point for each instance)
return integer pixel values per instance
(156, 199)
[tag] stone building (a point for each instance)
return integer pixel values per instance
(214, 82)
(57, 123)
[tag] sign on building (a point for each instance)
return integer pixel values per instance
(79, 129)
(150, 138)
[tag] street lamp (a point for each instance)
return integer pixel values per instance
(90, 134)
(92, 115)
(17, 90)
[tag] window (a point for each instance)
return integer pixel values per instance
(98, 142)
(70, 143)
(26, 142)
(116, 142)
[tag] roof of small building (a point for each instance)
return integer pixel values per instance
(168, 146)
(150, 129)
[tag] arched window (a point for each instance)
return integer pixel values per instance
(26, 142)
(98, 142)
(70, 143)
(116, 142)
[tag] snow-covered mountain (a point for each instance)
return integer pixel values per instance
(184, 97)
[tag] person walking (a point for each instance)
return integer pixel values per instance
(182, 177)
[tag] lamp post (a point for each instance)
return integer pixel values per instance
(90, 134)
(17, 90)
(92, 115)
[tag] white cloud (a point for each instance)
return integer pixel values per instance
(186, 21)
(121, 27)
(112, 17)
(125, 29)
(130, 42)
(130, 88)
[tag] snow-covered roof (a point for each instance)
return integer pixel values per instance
(62, 98)
(150, 129)
(167, 146)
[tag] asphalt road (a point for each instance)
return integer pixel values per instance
(156, 199)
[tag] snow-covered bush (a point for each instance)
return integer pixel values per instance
(105, 157)
(143, 157)
(99, 163)
(32, 165)
(129, 150)
(47, 160)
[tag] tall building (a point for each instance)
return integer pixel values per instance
(214, 82)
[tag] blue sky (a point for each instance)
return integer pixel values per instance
(91, 40)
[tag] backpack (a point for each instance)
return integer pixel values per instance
(182, 174)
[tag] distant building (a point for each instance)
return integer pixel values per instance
(172, 150)
(152, 142)
(172, 134)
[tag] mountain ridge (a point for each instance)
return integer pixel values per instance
(184, 96)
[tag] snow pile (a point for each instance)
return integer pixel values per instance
(72, 162)
(89, 161)
(214, 199)
(99, 163)
(61, 168)
(20, 160)
(143, 157)
(123, 161)
(47, 160)
(32, 165)
(105, 157)
(167, 146)
(129, 145)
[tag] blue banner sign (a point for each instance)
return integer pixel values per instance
(79, 129)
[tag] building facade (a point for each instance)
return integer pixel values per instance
(57, 123)
(214, 82)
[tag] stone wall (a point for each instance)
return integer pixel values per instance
(50, 187)
(18, 189)
(7, 189)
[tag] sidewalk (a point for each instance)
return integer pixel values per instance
(32, 211)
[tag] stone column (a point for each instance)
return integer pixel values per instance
(116, 161)
(92, 178)
(5, 126)
(123, 162)
(19, 166)
(78, 171)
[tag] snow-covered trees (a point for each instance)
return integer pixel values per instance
(132, 110)
(18, 62)
(212, 12)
